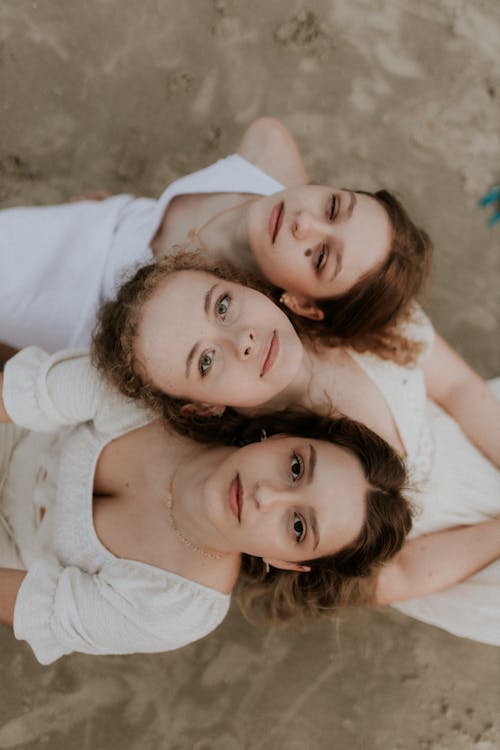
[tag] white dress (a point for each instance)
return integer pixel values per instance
(456, 485)
(57, 263)
(77, 596)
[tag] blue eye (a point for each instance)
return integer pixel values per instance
(205, 362)
(332, 208)
(296, 467)
(223, 305)
(298, 528)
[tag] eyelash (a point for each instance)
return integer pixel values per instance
(321, 258)
(206, 360)
(333, 206)
(219, 302)
(324, 250)
(301, 532)
(208, 365)
(295, 458)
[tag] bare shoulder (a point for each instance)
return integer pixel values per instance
(269, 145)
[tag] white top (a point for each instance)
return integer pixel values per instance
(403, 388)
(456, 485)
(58, 263)
(77, 596)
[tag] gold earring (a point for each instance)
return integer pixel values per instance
(266, 567)
(283, 298)
(263, 435)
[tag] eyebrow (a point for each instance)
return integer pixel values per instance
(207, 306)
(313, 520)
(208, 298)
(352, 204)
(339, 255)
(313, 457)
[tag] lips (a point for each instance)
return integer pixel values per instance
(236, 497)
(276, 220)
(270, 353)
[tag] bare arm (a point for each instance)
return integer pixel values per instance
(433, 562)
(10, 583)
(465, 396)
(269, 145)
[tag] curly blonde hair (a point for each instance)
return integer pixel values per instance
(115, 334)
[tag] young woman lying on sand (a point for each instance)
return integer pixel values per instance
(349, 260)
(133, 536)
(211, 343)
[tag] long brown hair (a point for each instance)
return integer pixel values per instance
(347, 577)
(369, 315)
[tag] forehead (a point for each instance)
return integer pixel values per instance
(165, 321)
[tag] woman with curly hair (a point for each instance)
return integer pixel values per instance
(184, 337)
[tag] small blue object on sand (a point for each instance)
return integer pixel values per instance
(492, 199)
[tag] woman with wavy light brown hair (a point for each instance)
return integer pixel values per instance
(348, 262)
(118, 535)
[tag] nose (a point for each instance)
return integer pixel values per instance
(306, 225)
(269, 496)
(245, 343)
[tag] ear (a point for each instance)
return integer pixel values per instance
(285, 565)
(303, 306)
(202, 410)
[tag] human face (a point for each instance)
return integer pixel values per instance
(215, 342)
(316, 242)
(286, 500)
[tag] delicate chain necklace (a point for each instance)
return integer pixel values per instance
(184, 539)
(195, 234)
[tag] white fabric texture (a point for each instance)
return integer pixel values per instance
(77, 596)
(57, 263)
(456, 486)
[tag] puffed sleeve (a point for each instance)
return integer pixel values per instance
(120, 610)
(44, 392)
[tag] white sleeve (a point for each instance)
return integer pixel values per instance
(119, 610)
(44, 392)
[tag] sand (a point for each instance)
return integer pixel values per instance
(125, 96)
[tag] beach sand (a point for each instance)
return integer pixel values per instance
(125, 96)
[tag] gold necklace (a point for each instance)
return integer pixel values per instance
(195, 234)
(184, 539)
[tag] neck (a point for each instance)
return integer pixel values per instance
(225, 234)
(297, 394)
(189, 502)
